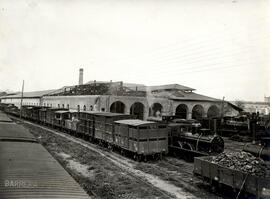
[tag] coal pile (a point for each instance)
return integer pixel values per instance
(242, 161)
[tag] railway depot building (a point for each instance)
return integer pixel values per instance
(137, 99)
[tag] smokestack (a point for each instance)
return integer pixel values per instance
(81, 76)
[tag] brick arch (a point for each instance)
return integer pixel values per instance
(117, 107)
(137, 109)
(155, 108)
(213, 111)
(182, 111)
(197, 111)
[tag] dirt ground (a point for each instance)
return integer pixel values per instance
(104, 174)
(99, 177)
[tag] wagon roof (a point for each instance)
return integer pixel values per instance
(90, 112)
(62, 111)
(134, 122)
(57, 109)
(66, 111)
(4, 117)
(109, 114)
(39, 174)
(13, 131)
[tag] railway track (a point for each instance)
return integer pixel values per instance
(166, 189)
(180, 173)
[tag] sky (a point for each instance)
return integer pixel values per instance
(218, 47)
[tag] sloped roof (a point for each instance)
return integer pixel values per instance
(133, 86)
(142, 87)
(170, 87)
(29, 94)
(235, 106)
(182, 95)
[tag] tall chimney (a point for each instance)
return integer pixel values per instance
(81, 76)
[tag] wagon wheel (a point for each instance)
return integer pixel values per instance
(122, 152)
(145, 158)
(134, 156)
(267, 124)
(137, 157)
(110, 147)
(159, 156)
(189, 147)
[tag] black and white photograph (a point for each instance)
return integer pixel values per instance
(134, 99)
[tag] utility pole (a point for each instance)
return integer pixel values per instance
(222, 108)
(21, 100)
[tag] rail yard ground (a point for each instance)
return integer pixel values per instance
(106, 174)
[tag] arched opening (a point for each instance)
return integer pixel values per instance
(137, 109)
(197, 112)
(117, 107)
(78, 108)
(84, 107)
(213, 111)
(156, 110)
(181, 111)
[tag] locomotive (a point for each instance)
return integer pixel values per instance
(187, 137)
(136, 138)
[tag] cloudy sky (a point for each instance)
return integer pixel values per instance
(220, 48)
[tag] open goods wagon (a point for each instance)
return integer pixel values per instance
(142, 138)
(237, 180)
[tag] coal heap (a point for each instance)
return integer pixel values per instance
(242, 161)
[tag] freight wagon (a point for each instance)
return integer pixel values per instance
(99, 127)
(86, 126)
(63, 116)
(141, 138)
(104, 126)
(237, 180)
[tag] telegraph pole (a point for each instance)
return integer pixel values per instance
(222, 108)
(21, 100)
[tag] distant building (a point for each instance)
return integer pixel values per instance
(263, 108)
(137, 99)
(267, 99)
(29, 98)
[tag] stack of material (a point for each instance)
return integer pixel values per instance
(242, 161)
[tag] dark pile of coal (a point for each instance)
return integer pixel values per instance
(242, 161)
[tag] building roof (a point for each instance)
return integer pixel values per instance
(183, 95)
(170, 87)
(235, 106)
(4, 117)
(132, 86)
(33, 94)
(142, 87)
(252, 102)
